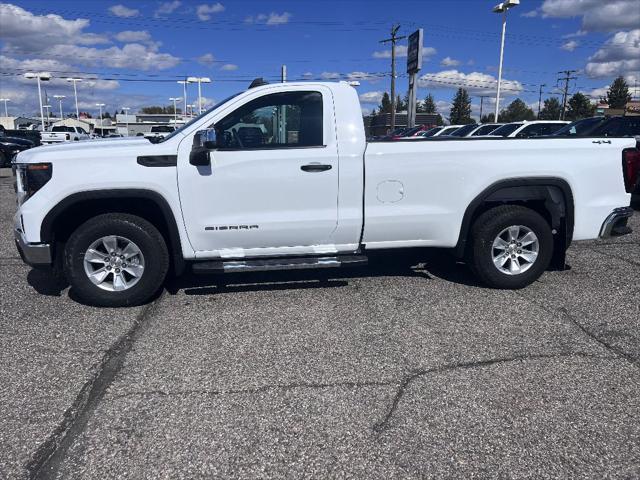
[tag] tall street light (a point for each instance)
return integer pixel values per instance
(47, 108)
(45, 77)
(502, 8)
(126, 118)
(59, 98)
(5, 100)
(200, 81)
(100, 105)
(75, 93)
(175, 112)
(184, 90)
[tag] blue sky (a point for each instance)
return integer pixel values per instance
(131, 53)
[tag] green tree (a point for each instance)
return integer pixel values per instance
(580, 107)
(461, 108)
(429, 105)
(385, 104)
(489, 118)
(516, 111)
(551, 109)
(618, 94)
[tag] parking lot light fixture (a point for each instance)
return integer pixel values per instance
(75, 93)
(199, 81)
(184, 84)
(502, 8)
(100, 105)
(5, 100)
(126, 118)
(59, 98)
(44, 77)
(175, 111)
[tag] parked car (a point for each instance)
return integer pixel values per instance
(159, 131)
(484, 129)
(535, 128)
(11, 146)
(448, 130)
(415, 131)
(219, 198)
(63, 133)
(627, 126)
(464, 131)
(32, 136)
(579, 127)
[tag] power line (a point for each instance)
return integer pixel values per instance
(566, 79)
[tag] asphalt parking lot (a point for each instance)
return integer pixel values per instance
(403, 369)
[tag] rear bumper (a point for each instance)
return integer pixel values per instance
(616, 223)
(34, 254)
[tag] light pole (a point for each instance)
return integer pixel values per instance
(47, 108)
(59, 98)
(184, 90)
(199, 81)
(175, 111)
(75, 94)
(502, 8)
(45, 77)
(126, 118)
(5, 100)
(100, 105)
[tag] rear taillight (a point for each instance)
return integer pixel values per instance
(631, 168)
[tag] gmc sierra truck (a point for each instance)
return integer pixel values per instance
(282, 177)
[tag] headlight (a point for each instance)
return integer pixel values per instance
(31, 177)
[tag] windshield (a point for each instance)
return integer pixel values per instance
(506, 130)
(432, 132)
(464, 131)
(579, 127)
(162, 129)
(485, 130)
(449, 130)
(63, 129)
(195, 119)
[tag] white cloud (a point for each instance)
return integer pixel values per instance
(167, 8)
(131, 55)
(449, 62)
(620, 55)
(330, 75)
(205, 11)
(133, 36)
(271, 19)
(530, 14)
(570, 46)
(401, 51)
(124, 12)
(597, 15)
(229, 67)
(307, 75)
(371, 97)
(475, 82)
(207, 59)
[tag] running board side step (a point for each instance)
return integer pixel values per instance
(270, 264)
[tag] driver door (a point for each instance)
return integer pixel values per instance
(271, 186)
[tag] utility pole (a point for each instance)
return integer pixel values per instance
(482, 97)
(283, 73)
(540, 99)
(565, 92)
(393, 39)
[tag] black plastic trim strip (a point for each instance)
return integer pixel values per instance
(158, 160)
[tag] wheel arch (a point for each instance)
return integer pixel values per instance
(552, 197)
(75, 209)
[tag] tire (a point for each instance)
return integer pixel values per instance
(129, 237)
(517, 264)
(3, 160)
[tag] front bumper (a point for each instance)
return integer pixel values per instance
(616, 223)
(34, 254)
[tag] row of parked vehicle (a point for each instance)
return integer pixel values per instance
(621, 126)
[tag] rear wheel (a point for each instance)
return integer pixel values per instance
(3, 160)
(116, 260)
(512, 246)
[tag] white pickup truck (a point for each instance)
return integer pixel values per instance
(305, 190)
(62, 133)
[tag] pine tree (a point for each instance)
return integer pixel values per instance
(489, 118)
(429, 105)
(461, 109)
(551, 109)
(618, 94)
(385, 104)
(580, 107)
(517, 111)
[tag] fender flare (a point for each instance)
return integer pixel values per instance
(556, 193)
(47, 226)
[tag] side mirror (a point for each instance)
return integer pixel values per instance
(203, 142)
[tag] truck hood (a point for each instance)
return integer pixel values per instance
(88, 149)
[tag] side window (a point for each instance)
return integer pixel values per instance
(279, 120)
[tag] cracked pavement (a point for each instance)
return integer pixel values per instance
(403, 369)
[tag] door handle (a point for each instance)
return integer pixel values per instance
(315, 167)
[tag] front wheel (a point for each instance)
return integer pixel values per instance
(512, 246)
(116, 260)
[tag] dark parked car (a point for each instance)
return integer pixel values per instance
(464, 131)
(627, 126)
(10, 146)
(579, 127)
